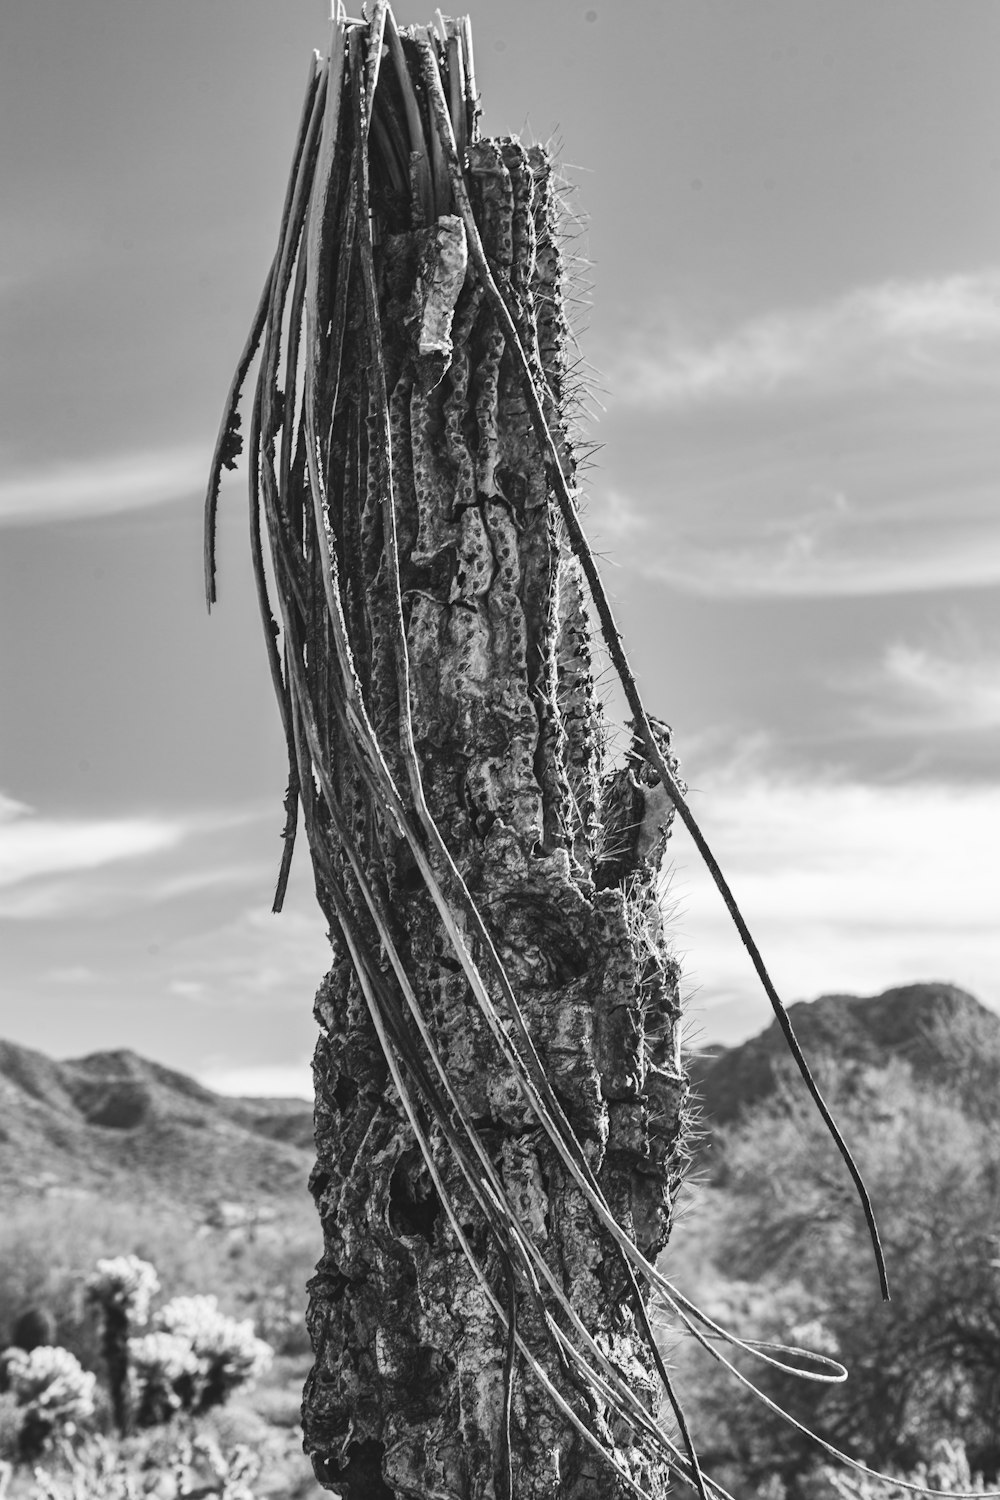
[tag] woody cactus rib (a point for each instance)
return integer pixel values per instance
(500, 1102)
(431, 621)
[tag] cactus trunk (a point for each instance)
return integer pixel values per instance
(498, 1055)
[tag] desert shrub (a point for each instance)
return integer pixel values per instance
(51, 1395)
(279, 1316)
(10, 1430)
(125, 1284)
(226, 1352)
(158, 1363)
(49, 1247)
(192, 1360)
(923, 1368)
(948, 1471)
(34, 1326)
(266, 1273)
(278, 1399)
(122, 1289)
(189, 1466)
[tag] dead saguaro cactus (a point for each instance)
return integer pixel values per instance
(499, 1096)
(446, 747)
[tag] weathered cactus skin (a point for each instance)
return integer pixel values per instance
(561, 854)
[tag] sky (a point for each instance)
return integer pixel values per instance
(788, 218)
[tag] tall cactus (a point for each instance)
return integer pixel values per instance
(499, 1096)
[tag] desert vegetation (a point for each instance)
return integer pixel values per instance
(775, 1247)
(178, 1379)
(768, 1240)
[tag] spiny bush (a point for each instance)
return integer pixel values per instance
(160, 1362)
(947, 1471)
(923, 1369)
(50, 1394)
(122, 1288)
(124, 1283)
(224, 1353)
(194, 1466)
(191, 1361)
(48, 1249)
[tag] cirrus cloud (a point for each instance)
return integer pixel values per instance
(951, 687)
(34, 846)
(943, 330)
(60, 867)
(825, 542)
(102, 485)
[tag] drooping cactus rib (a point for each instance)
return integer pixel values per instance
(499, 952)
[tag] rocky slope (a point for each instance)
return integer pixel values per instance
(115, 1123)
(941, 1032)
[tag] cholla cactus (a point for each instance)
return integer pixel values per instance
(54, 1393)
(123, 1288)
(159, 1365)
(227, 1352)
(124, 1282)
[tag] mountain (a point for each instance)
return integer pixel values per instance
(116, 1123)
(942, 1033)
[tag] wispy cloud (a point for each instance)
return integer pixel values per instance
(72, 974)
(34, 846)
(222, 877)
(100, 486)
(822, 542)
(257, 957)
(846, 886)
(949, 688)
(54, 867)
(613, 517)
(188, 989)
(944, 330)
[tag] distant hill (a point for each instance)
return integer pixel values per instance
(116, 1123)
(941, 1032)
